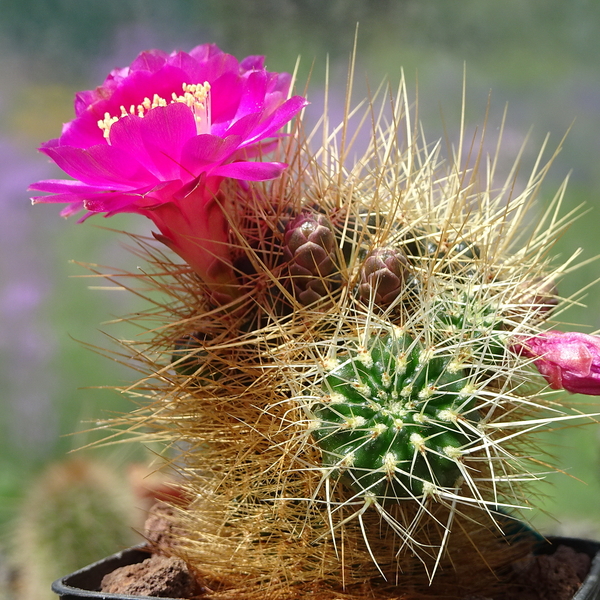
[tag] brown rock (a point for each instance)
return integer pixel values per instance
(161, 576)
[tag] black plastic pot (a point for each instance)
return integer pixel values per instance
(85, 583)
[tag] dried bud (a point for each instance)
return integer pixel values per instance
(310, 249)
(569, 361)
(382, 275)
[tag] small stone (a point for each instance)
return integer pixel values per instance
(552, 577)
(160, 576)
(159, 529)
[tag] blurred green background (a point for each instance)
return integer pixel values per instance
(540, 57)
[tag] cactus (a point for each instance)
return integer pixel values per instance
(363, 411)
(73, 514)
(386, 422)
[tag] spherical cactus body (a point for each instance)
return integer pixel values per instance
(389, 421)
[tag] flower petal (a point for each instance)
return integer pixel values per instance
(149, 60)
(204, 151)
(62, 185)
(277, 120)
(225, 94)
(164, 131)
(113, 203)
(253, 96)
(126, 134)
(101, 165)
(253, 63)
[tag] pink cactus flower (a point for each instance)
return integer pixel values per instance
(569, 361)
(158, 137)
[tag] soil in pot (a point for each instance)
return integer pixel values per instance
(556, 571)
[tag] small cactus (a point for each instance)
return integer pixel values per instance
(73, 514)
(389, 420)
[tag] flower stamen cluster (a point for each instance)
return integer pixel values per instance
(195, 96)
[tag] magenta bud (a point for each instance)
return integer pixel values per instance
(569, 361)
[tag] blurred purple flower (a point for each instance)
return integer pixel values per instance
(569, 361)
(158, 137)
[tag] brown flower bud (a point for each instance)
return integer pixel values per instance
(310, 249)
(382, 276)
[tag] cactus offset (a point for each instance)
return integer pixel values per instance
(389, 422)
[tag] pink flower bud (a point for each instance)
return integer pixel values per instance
(569, 361)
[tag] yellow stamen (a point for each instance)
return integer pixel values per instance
(106, 123)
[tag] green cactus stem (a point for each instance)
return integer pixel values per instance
(389, 423)
(477, 326)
